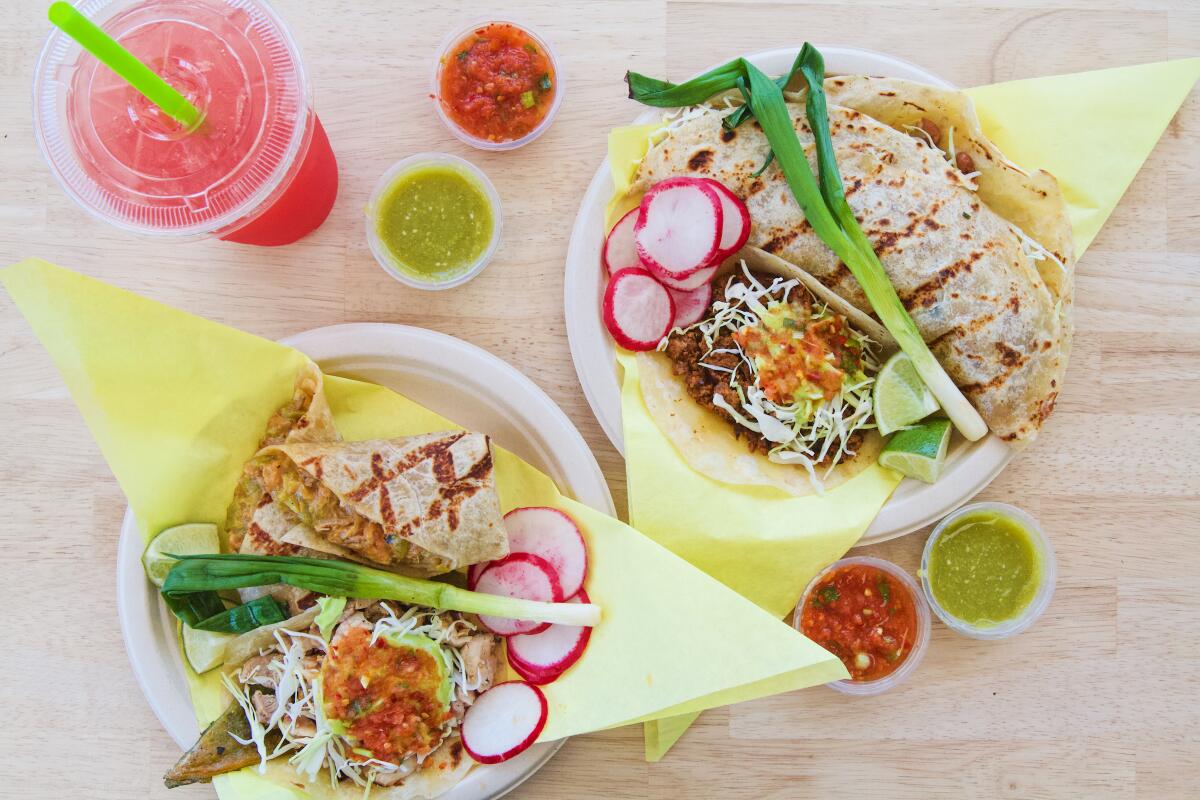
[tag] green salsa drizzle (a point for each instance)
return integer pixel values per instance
(985, 569)
(435, 221)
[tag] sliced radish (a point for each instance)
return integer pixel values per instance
(474, 571)
(693, 281)
(522, 575)
(691, 306)
(551, 534)
(503, 721)
(541, 657)
(735, 221)
(637, 309)
(678, 229)
(620, 252)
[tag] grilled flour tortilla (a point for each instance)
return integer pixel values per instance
(983, 263)
(420, 505)
(423, 505)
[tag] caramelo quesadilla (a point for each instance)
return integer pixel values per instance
(421, 505)
(979, 251)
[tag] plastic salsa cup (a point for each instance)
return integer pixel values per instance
(921, 643)
(391, 261)
(1043, 552)
(449, 50)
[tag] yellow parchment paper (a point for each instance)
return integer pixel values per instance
(1092, 130)
(177, 404)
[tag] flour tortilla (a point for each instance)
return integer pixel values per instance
(441, 771)
(706, 441)
(1000, 329)
(436, 491)
(313, 423)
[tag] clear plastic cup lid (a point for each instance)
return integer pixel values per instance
(132, 166)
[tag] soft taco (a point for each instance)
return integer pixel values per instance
(421, 505)
(978, 250)
(376, 708)
(773, 386)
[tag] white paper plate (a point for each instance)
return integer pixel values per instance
(970, 466)
(459, 381)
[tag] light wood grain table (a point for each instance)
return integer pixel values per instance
(1100, 699)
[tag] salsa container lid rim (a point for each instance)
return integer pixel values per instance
(384, 257)
(1041, 599)
(924, 625)
(456, 36)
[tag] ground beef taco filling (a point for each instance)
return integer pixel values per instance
(767, 348)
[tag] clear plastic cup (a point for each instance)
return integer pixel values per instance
(384, 256)
(910, 663)
(1041, 599)
(258, 169)
(444, 50)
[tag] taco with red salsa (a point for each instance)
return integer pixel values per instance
(773, 386)
(349, 699)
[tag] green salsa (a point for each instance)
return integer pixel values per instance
(985, 568)
(435, 221)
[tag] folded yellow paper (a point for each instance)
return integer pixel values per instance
(1092, 130)
(177, 404)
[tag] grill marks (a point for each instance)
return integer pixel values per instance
(777, 243)
(452, 490)
(700, 160)
(927, 293)
(1010, 361)
(885, 240)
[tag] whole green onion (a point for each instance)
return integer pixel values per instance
(205, 573)
(823, 205)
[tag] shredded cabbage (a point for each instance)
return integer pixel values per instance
(299, 714)
(806, 432)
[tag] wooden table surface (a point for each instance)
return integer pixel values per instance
(1098, 700)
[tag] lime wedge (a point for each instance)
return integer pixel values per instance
(185, 540)
(900, 397)
(204, 650)
(918, 452)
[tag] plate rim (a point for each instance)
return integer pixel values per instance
(989, 456)
(162, 679)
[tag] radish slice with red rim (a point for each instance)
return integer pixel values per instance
(522, 575)
(553, 535)
(504, 721)
(691, 306)
(679, 226)
(735, 220)
(620, 252)
(693, 281)
(474, 571)
(638, 310)
(542, 657)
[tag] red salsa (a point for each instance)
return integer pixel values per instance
(865, 617)
(385, 697)
(497, 83)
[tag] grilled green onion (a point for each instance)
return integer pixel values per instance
(195, 607)
(265, 610)
(824, 205)
(206, 573)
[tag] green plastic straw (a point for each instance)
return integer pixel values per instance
(121, 61)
